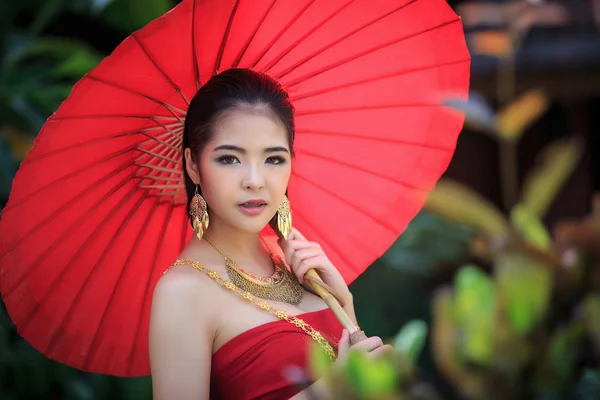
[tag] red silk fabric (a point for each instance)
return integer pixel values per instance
(252, 364)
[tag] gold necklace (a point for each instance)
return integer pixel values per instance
(282, 286)
(292, 319)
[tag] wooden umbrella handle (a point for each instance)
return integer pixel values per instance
(332, 300)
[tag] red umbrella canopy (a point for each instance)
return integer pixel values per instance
(98, 208)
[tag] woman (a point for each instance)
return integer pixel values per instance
(207, 339)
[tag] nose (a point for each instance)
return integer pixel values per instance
(253, 178)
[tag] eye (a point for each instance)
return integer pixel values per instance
(227, 160)
(276, 160)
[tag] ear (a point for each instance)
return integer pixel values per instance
(191, 166)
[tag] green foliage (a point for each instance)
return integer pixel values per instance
(474, 311)
(428, 243)
(411, 339)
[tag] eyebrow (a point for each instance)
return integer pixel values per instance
(243, 151)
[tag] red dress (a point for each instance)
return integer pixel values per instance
(251, 365)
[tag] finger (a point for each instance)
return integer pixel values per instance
(369, 344)
(304, 254)
(288, 253)
(381, 350)
(303, 244)
(303, 266)
(344, 343)
(297, 235)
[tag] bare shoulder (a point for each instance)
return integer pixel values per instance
(182, 330)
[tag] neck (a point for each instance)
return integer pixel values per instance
(242, 247)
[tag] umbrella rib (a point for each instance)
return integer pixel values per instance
(357, 168)
(353, 57)
(77, 172)
(325, 241)
(156, 155)
(373, 139)
(168, 153)
(65, 234)
(147, 290)
(170, 108)
(374, 79)
(194, 55)
(226, 36)
(346, 36)
(285, 52)
(161, 169)
(276, 37)
(91, 142)
(94, 344)
(162, 142)
(72, 174)
(373, 107)
(251, 37)
(345, 201)
(114, 116)
(55, 335)
(153, 61)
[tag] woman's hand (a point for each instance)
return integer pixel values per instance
(372, 346)
(302, 255)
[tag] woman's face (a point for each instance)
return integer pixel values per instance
(245, 169)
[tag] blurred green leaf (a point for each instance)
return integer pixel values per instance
(475, 312)
(530, 227)
(514, 119)
(555, 165)
(445, 339)
(411, 339)
(52, 48)
(370, 377)
(591, 317)
(319, 362)
(48, 11)
(562, 349)
(131, 15)
(77, 65)
(8, 167)
(525, 285)
(459, 203)
(428, 242)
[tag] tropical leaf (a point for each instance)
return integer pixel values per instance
(516, 117)
(370, 377)
(474, 312)
(524, 285)
(411, 339)
(530, 227)
(444, 336)
(456, 202)
(554, 166)
(429, 242)
(131, 15)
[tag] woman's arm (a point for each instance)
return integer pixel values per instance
(181, 335)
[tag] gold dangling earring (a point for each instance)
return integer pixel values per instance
(199, 213)
(284, 217)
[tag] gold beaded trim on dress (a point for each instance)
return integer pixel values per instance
(265, 305)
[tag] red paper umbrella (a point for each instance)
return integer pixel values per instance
(98, 208)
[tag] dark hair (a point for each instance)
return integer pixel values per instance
(232, 89)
